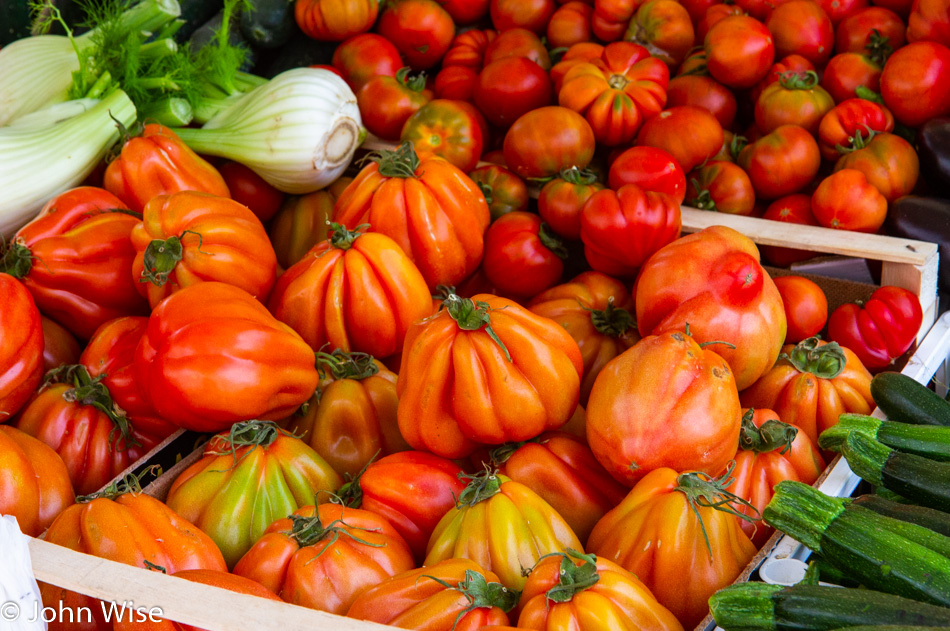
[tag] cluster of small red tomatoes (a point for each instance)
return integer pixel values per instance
(503, 417)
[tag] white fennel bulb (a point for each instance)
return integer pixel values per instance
(298, 131)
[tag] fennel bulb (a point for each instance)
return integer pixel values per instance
(298, 131)
(38, 162)
(38, 71)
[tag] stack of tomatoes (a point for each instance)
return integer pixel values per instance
(434, 401)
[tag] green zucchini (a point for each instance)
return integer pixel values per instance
(751, 606)
(930, 441)
(882, 553)
(268, 23)
(887, 627)
(905, 400)
(922, 480)
(935, 520)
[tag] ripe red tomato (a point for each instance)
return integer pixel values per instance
(577, 54)
(650, 168)
(59, 345)
(522, 255)
(570, 24)
(386, 103)
(841, 126)
(705, 92)
(468, 49)
(449, 129)
(806, 307)
(302, 222)
(504, 191)
(915, 83)
(795, 99)
(530, 14)
(856, 34)
(465, 12)
(839, 10)
(791, 63)
(547, 140)
(664, 27)
(721, 186)
(846, 72)
(794, 208)
(616, 92)
(511, 87)
(34, 481)
(882, 329)
(562, 200)
(690, 134)
(518, 42)
(929, 20)
(888, 161)
(712, 15)
(21, 350)
(739, 51)
(611, 17)
(782, 162)
(621, 229)
(421, 30)
(845, 200)
(362, 57)
(250, 189)
(456, 83)
(801, 27)
(335, 20)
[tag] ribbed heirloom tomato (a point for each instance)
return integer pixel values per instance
(386, 102)
(212, 355)
(301, 222)
(335, 20)
(504, 191)
(561, 201)
(430, 208)
(840, 128)
(523, 257)
(880, 330)
(159, 163)
(547, 140)
(421, 30)
(664, 386)
(75, 259)
(34, 482)
(355, 291)
(21, 347)
(782, 162)
(650, 168)
(664, 27)
(485, 370)
(453, 130)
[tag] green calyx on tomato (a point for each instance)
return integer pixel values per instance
(551, 241)
(578, 176)
(500, 455)
(350, 494)
(480, 593)
(825, 361)
(798, 80)
(341, 238)
(15, 259)
(878, 48)
(161, 257)
(308, 531)
(481, 486)
(416, 83)
(472, 316)
(702, 490)
(573, 578)
(89, 391)
(703, 199)
(612, 321)
(247, 434)
(131, 483)
(866, 93)
(736, 145)
(399, 162)
(342, 365)
(772, 435)
(487, 191)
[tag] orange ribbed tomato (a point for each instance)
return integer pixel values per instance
(34, 482)
(335, 20)
(21, 346)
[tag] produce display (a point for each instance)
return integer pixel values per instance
(411, 277)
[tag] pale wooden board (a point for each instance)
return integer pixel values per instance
(204, 606)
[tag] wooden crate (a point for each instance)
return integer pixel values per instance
(905, 263)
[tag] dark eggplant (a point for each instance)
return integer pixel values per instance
(924, 219)
(933, 147)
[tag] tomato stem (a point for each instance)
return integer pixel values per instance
(342, 365)
(399, 162)
(129, 484)
(576, 176)
(772, 435)
(250, 434)
(472, 316)
(92, 392)
(612, 321)
(342, 238)
(16, 259)
(480, 593)
(551, 241)
(308, 531)
(824, 361)
(161, 257)
(481, 486)
(574, 578)
(416, 83)
(798, 79)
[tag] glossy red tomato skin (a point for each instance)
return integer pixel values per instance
(854, 33)
(795, 208)
(650, 168)
(362, 57)
(889, 162)
(721, 186)
(668, 131)
(517, 260)
(621, 229)
(929, 20)
(881, 330)
(60, 347)
(802, 27)
(846, 72)
(530, 14)
(796, 99)
(81, 274)
(510, 88)
(739, 51)
(465, 12)
(782, 162)
(839, 10)
(251, 190)
(335, 20)
(544, 141)
(21, 346)
(448, 129)
(795, 63)
(386, 103)
(705, 92)
(915, 83)
(841, 126)
(561, 202)
(421, 30)
(806, 307)
(845, 200)
(518, 42)
(570, 24)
